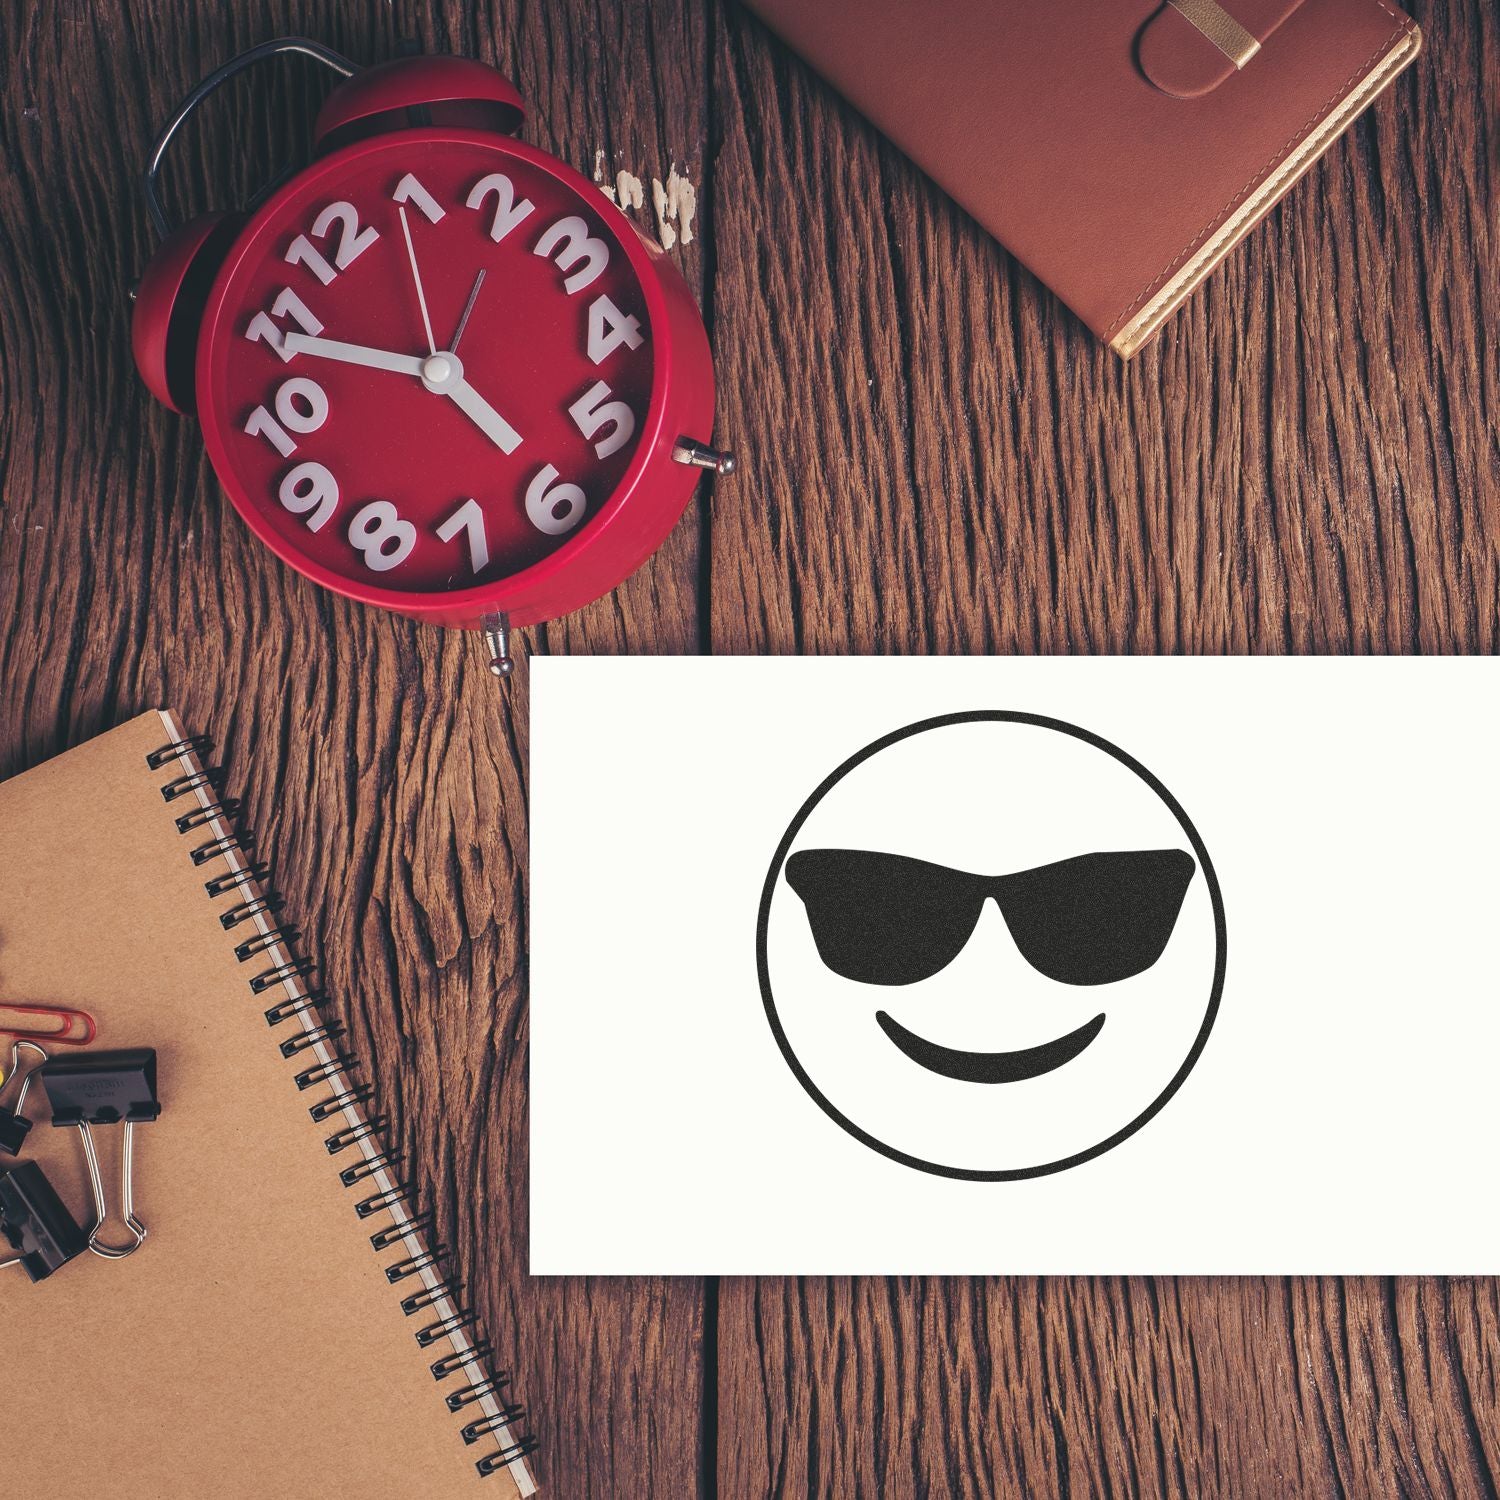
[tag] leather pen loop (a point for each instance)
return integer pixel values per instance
(1221, 28)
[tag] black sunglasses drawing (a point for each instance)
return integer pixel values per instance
(886, 919)
(1090, 921)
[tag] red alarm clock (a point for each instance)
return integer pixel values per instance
(437, 369)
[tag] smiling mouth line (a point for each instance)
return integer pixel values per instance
(990, 1067)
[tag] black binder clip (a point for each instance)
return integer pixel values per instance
(36, 1224)
(14, 1126)
(106, 1088)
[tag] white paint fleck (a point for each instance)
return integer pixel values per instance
(626, 190)
(630, 191)
(676, 202)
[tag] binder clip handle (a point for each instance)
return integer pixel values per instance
(14, 1126)
(106, 1088)
(138, 1231)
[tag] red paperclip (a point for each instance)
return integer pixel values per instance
(47, 1023)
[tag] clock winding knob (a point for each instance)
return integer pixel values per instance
(701, 456)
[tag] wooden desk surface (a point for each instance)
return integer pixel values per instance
(935, 458)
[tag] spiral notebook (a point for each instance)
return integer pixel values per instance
(287, 1329)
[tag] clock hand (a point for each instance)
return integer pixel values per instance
(463, 321)
(443, 375)
(483, 415)
(416, 277)
(353, 354)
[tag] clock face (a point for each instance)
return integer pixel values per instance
(428, 364)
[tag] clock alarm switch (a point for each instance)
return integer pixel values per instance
(36, 1224)
(701, 456)
(14, 1126)
(106, 1088)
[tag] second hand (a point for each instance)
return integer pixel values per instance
(463, 321)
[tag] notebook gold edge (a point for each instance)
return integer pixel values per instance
(1140, 330)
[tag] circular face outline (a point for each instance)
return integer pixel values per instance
(1003, 716)
(479, 597)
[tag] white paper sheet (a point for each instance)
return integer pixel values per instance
(1197, 975)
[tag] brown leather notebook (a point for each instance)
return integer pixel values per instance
(1118, 148)
(258, 1344)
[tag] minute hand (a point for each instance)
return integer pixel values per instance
(353, 354)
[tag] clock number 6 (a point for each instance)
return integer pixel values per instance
(300, 404)
(551, 507)
(593, 410)
(384, 538)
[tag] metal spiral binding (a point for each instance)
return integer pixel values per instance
(261, 905)
(226, 811)
(367, 1208)
(423, 1223)
(286, 1009)
(329, 1033)
(433, 1332)
(368, 1168)
(471, 1356)
(448, 1288)
(286, 936)
(341, 1062)
(299, 968)
(336, 1104)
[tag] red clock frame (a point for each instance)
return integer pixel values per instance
(638, 514)
(669, 451)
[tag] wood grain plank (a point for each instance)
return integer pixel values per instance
(382, 768)
(1308, 460)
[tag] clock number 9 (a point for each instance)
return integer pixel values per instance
(310, 487)
(301, 406)
(385, 539)
(551, 507)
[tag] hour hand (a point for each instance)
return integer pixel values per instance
(484, 416)
(352, 354)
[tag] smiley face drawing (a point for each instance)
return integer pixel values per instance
(991, 945)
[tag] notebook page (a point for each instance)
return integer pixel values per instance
(254, 1346)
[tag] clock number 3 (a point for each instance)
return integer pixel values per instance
(569, 243)
(593, 411)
